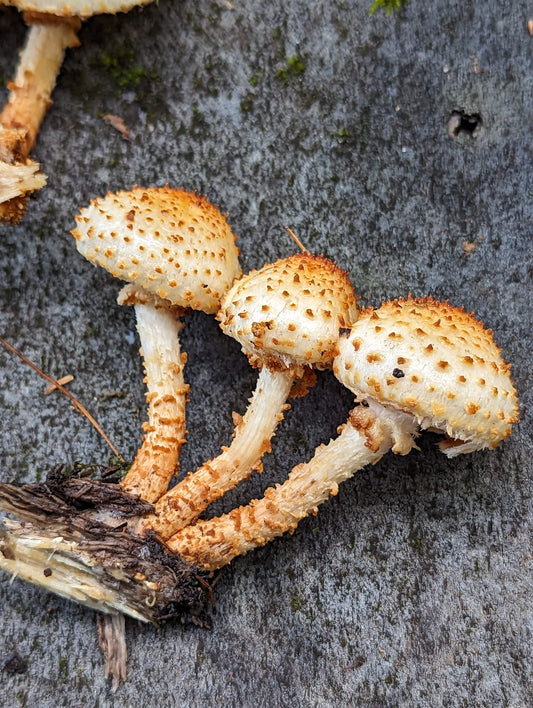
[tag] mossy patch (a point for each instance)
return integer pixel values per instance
(121, 66)
(296, 604)
(118, 72)
(294, 66)
(387, 5)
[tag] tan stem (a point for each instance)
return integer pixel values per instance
(186, 501)
(31, 89)
(363, 440)
(29, 99)
(157, 460)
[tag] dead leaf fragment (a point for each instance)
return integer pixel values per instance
(117, 123)
(469, 246)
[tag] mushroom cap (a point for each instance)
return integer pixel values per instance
(289, 312)
(77, 8)
(436, 362)
(170, 242)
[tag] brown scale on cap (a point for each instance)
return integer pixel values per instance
(436, 362)
(170, 242)
(289, 313)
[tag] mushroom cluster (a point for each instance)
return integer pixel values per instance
(138, 548)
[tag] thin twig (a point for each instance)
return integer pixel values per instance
(297, 240)
(67, 393)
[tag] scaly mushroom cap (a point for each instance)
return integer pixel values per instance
(436, 362)
(289, 313)
(170, 242)
(78, 8)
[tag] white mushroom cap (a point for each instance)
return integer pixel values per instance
(289, 313)
(78, 8)
(436, 362)
(170, 242)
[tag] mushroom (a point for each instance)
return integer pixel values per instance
(178, 247)
(412, 364)
(54, 25)
(287, 318)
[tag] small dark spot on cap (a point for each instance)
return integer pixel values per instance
(344, 331)
(398, 373)
(47, 572)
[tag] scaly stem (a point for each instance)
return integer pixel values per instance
(253, 433)
(29, 99)
(157, 460)
(363, 440)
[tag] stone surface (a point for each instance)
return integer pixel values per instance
(413, 586)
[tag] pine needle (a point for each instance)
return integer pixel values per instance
(67, 393)
(297, 240)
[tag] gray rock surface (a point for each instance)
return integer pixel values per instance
(413, 586)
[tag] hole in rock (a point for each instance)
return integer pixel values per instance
(461, 124)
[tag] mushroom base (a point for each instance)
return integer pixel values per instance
(85, 553)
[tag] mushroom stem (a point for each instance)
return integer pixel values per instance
(367, 435)
(39, 65)
(184, 503)
(157, 460)
(29, 99)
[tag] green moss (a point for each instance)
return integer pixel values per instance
(294, 66)
(198, 117)
(343, 135)
(121, 67)
(247, 103)
(63, 670)
(296, 605)
(116, 468)
(387, 5)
